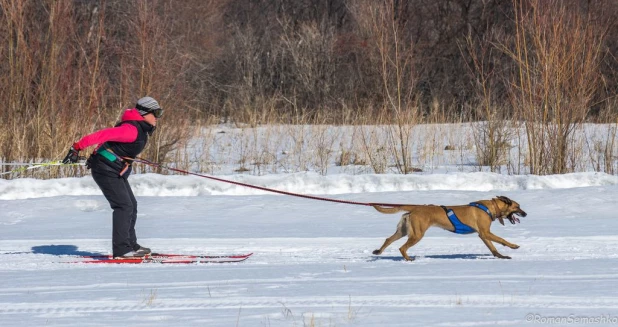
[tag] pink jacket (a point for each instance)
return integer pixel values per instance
(125, 133)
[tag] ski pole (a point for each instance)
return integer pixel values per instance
(34, 166)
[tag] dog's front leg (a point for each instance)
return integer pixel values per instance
(491, 247)
(498, 239)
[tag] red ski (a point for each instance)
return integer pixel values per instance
(174, 255)
(167, 258)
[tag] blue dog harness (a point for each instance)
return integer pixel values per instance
(482, 207)
(461, 228)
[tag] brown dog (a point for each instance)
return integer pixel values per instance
(477, 217)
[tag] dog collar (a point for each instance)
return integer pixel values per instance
(482, 207)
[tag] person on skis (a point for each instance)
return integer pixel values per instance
(110, 164)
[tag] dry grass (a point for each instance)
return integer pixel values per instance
(149, 298)
(352, 149)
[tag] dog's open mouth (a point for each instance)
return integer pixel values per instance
(513, 218)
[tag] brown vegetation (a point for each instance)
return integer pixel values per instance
(540, 67)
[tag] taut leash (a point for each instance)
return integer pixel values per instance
(154, 164)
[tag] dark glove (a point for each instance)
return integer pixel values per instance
(72, 156)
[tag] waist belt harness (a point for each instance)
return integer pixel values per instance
(112, 157)
(460, 228)
(107, 154)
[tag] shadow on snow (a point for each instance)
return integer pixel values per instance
(468, 256)
(63, 249)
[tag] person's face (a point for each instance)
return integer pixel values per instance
(150, 119)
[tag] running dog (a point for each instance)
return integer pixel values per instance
(462, 219)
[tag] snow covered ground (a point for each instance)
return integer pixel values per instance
(312, 262)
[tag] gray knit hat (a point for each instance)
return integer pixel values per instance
(146, 105)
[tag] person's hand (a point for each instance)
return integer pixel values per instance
(72, 156)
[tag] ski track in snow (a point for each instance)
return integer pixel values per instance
(312, 263)
(374, 283)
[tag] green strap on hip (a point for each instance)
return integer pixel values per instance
(107, 155)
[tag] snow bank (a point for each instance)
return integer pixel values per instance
(305, 183)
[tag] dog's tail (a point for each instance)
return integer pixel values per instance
(393, 209)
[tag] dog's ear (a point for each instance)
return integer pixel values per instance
(505, 200)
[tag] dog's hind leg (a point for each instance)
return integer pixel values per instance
(388, 242)
(402, 230)
(415, 235)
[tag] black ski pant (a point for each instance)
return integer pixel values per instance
(118, 193)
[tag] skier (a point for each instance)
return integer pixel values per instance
(111, 166)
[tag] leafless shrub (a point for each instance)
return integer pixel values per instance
(601, 142)
(394, 58)
(492, 135)
(323, 142)
(374, 148)
(557, 52)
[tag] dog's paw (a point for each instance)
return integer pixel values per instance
(376, 252)
(500, 256)
(514, 246)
